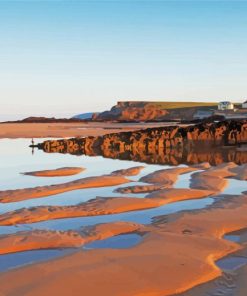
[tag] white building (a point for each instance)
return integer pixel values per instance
(226, 105)
(244, 105)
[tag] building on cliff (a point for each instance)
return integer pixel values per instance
(244, 105)
(225, 105)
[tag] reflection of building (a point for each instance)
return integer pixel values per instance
(244, 105)
(226, 105)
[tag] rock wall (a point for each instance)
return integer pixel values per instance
(171, 145)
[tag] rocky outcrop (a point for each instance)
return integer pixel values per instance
(171, 145)
(152, 111)
(132, 111)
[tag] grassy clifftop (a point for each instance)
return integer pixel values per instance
(177, 105)
(153, 110)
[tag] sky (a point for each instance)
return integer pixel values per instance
(60, 58)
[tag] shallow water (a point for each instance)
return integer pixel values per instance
(235, 187)
(238, 236)
(16, 157)
(10, 261)
(231, 263)
(122, 241)
(142, 217)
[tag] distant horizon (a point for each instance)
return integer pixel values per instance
(60, 58)
(61, 114)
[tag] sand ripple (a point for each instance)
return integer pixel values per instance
(44, 239)
(178, 252)
(101, 206)
(42, 191)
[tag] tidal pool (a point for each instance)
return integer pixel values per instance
(16, 157)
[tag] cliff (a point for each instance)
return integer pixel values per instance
(172, 145)
(153, 111)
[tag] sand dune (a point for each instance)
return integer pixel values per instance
(60, 172)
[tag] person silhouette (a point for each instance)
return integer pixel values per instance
(32, 145)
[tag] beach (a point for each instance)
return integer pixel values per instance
(123, 148)
(59, 130)
(73, 222)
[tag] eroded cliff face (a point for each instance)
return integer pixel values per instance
(132, 111)
(148, 111)
(171, 145)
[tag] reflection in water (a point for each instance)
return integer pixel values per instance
(214, 143)
(172, 156)
(17, 158)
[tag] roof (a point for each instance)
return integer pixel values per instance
(225, 103)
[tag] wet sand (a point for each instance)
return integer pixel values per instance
(177, 253)
(166, 177)
(128, 172)
(240, 172)
(47, 239)
(215, 177)
(101, 206)
(115, 178)
(7, 196)
(138, 189)
(203, 184)
(60, 130)
(232, 281)
(60, 172)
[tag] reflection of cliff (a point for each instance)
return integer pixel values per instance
(168, 145)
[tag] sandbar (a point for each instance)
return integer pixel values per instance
(48, 239)
(42, 191)
(60, 172)
(166, 177)
(128, 172)
(101, 206)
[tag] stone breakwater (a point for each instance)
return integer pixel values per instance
(171, 145)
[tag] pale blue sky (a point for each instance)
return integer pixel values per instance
(66, 57)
